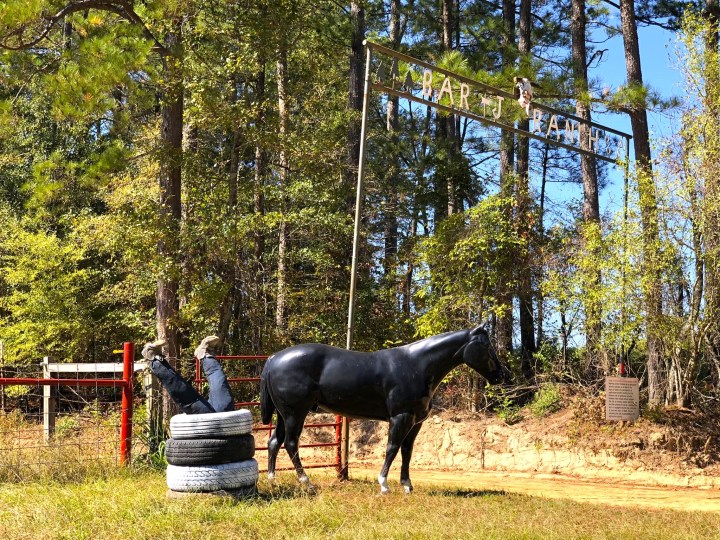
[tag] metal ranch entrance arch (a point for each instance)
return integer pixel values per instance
(459, 95)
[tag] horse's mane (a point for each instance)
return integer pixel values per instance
(439, 339)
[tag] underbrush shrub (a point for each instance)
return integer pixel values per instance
(509, 412)
(548, 360)
(504, 405)
(653, 413)
(548, 399)
(66, 426)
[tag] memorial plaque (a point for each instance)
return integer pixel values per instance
(622, 398)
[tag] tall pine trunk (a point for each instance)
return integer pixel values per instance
(522, 194)
(393, 123)
(230, 270)
(591, 204)
(412, 234)
(711, 210)
(258, 301)
(283, 164)
(170, 180)
(541, 242)
(504, 324)
(450, 131)
(651, 271)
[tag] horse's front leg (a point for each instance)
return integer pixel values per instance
(400, 425)
(406, 452)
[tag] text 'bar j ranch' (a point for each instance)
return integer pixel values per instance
(453, 93)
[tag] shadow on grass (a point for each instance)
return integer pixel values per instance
(281, 492)
(468, 493)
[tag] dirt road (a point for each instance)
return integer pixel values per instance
(558, 487)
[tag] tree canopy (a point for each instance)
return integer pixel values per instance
(187, 167)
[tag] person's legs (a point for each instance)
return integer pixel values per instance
(179, 390)
(220, 396)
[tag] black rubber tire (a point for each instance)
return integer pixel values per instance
(211, 425)
(186, 452)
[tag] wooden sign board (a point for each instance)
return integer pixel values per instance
(622, 398)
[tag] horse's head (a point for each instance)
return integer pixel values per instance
(480, 355)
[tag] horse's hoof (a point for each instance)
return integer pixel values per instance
(306, 483)
(382, 480)
(271, 476)
(407, 490)
(384, 489)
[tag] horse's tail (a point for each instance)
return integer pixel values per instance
(267, 407)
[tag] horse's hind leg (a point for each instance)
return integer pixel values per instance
(406, 452)
(400, 426)
(293, 428)
(276, 440)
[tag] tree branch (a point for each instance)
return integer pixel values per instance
(134, 18)
(645, 20)
(121, 8)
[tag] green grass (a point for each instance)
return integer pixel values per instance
(135, 506)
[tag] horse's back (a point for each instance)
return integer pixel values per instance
(308, 357)
(312, 360)
(332, 378)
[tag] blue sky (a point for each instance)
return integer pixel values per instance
(661, 74)
(659, 71)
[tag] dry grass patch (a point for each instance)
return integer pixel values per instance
(135, 505)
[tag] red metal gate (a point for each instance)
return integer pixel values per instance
(125, 384)
(126, 412)
(259, 428)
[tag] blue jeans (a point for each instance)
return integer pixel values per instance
(184, 394)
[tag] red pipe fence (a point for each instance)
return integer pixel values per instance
(51, 385)
(125, 384)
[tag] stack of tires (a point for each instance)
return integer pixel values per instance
(211, 452)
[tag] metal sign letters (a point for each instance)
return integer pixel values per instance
(456, 94)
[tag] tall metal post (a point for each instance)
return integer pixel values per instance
(345, 439)
(127, 403)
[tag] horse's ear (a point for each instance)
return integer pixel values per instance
(478, 330)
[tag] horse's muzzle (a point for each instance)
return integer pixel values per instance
(506, 376)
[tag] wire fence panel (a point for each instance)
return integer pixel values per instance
(62, 425)
(86, 432)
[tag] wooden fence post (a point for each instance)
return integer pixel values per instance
(153, 404)
(49, 403)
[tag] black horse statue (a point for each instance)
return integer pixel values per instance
(395, 385)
